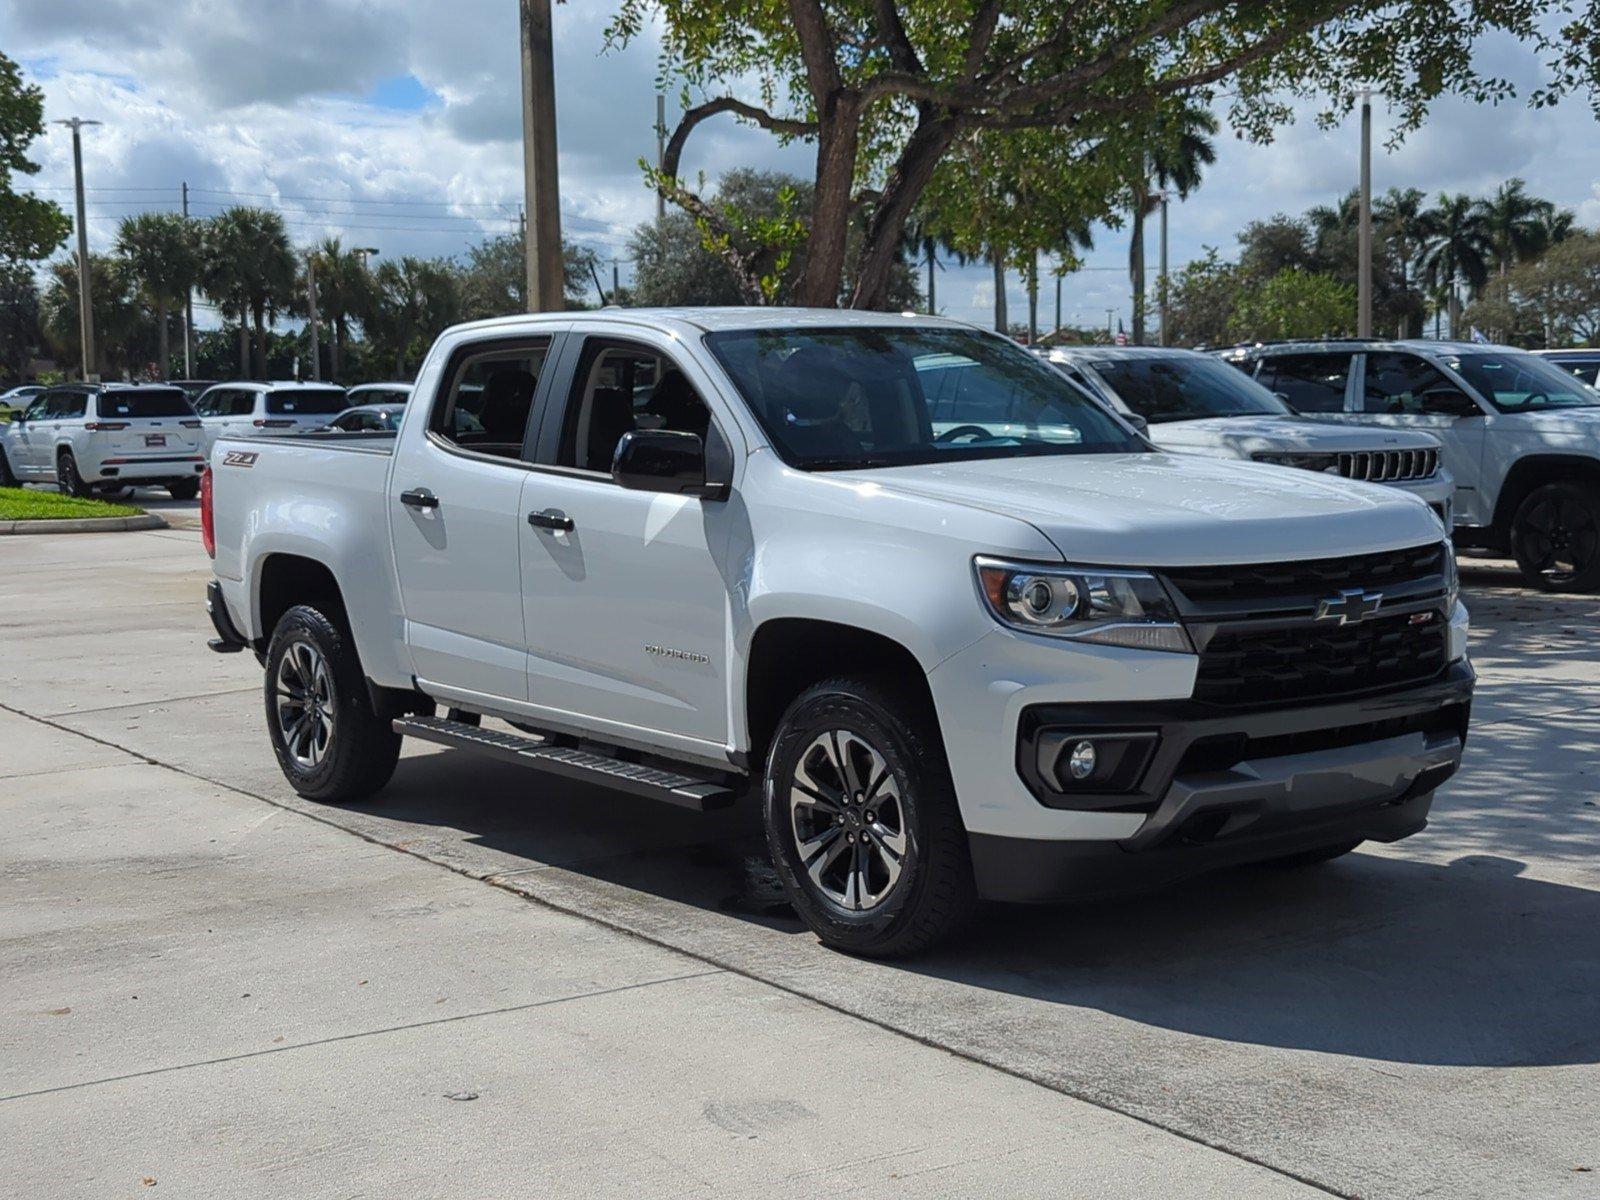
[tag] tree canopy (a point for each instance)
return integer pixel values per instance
(886, 90)
(30, 228)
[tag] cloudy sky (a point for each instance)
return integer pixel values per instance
(395, 123)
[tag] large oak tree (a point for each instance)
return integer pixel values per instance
(885, 88)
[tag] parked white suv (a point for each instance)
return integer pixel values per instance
(977, 649)
(1520, 435)
(105, 437)
(244, 409)
(1191, 403)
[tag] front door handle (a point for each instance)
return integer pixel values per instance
(418, 498)
(551, 518)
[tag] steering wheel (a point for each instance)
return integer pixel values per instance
(962, 431)
(1532, 399)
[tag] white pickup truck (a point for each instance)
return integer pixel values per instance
(1006, 650)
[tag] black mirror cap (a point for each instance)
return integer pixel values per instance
(663, 460)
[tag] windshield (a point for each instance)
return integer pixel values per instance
(1182, 388)
(150, 402)
(837, 399)
(307, 402)
(1515, 382)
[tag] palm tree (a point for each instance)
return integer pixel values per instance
(1180, 149)
(344, 292)
(1514, 221)
(1556, 225)
(1405, 226)
(1457, 251)
(248, 270)
(161, 253)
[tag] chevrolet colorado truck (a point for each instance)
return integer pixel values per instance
(994, 644)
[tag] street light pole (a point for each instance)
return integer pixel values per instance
(1364, 251)
(545, 284)
(188, 302)
(85, 313)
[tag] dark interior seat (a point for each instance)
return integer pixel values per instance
(507, 397)
(810, 390)
(680, 408)
(610, 416)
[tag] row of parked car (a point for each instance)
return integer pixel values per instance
(101, 439)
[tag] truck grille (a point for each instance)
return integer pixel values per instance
(1389, 466)
(1245, 664)
(1317, 577)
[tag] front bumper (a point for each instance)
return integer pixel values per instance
(1232, 787)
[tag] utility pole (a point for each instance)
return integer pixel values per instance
(661, 149)
(364, 253)
(1110, 313)
(188, 304)
(311, 310)
(545, 288)
(1161, 339)
(85, 313)
(1364, 252)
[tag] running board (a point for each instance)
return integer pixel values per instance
(585, 766)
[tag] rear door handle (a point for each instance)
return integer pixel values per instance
(419, 498)
(551, 518)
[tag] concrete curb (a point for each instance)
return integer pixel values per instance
(85, 525)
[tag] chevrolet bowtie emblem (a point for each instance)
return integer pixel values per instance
(1349, 607)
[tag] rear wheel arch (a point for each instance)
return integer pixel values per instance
(787, 655)
(285, 580)
(1534, 471)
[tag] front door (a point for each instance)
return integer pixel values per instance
(626, 606)
(1399, 390)
(455, 511)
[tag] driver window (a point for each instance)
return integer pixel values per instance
(1398, 385)
(617, 389)
(38, 408)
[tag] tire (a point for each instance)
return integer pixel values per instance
(1555, 537)
(896, 756)
(7, 477)
(341, 750)
(68, 481)
(1310, 858)
(183, 489)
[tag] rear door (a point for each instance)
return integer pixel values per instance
(456, 517)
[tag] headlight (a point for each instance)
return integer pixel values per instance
(1328, 463)
(1092, 604)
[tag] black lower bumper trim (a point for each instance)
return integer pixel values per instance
(228, 640)
(1026, 871)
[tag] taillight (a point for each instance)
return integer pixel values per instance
(208, 525)
(104, 426)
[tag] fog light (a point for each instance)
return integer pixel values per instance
(1083, 760)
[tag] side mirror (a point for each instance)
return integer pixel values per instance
(663, 460)
(1449, 402)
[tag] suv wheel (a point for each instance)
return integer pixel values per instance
(68, 481)
(862, 822)
(1555, 537)
(183, 489)
(329, 742)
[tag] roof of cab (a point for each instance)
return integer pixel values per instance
(718, 320)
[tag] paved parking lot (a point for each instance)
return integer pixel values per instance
(1414, 1020)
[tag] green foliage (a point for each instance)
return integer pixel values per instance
(30, 228)
(1552, 301)
(495, 274)
(890, 90)
(1294, 304)
(161, 252)
(20, 504)
(124, 339)
(1203, 295)
(19, 319)
(413, 301)
(247, 268)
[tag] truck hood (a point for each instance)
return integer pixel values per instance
(1164, 510)
(1580, 422)
(1250, 435)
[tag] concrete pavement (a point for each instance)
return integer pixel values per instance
(1421, 1018)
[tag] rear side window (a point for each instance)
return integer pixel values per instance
(485, 404)
(307, 402)
(1312, 383)
(146, 402)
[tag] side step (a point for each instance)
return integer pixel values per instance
(583, 765)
